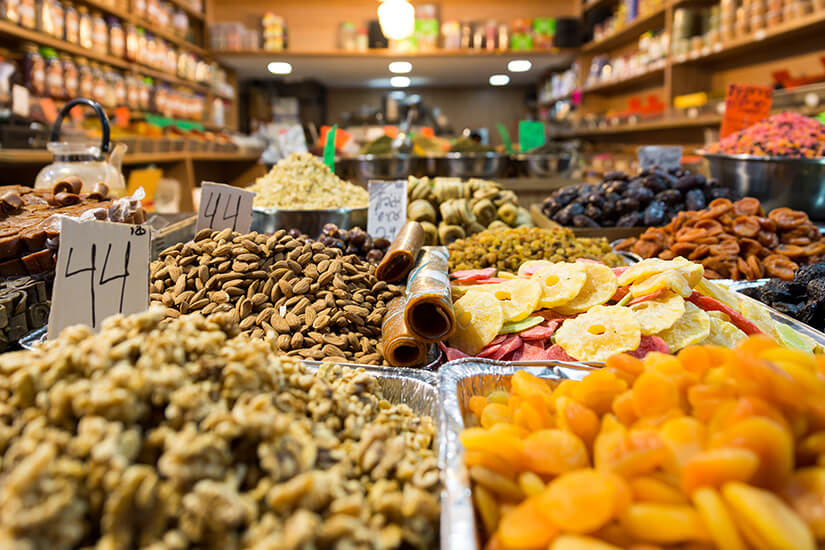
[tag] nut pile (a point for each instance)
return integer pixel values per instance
(506, 250)
(736, 240)
(802, 298)
(449, 208)
(317, 302)
(650, 198)
(783, 135)
(302, 182)
(188, 434)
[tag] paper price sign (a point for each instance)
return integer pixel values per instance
(665, 157)
(224, 206)
(388, 208)
(102, 269)
(745, 105)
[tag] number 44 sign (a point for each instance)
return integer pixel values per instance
(102, 269)
(224, 206)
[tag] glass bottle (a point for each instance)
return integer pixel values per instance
(85, 27)
(117, 38)
(100, 33)
(71, 24)
(71, 78)
(34, 70)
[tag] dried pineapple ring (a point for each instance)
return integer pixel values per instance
(478, 317)
(722, 333)
(666, 280)
(599, 287)
(691, 328)
(519, 297)
(560, 282)
(600, 333)
(659, 313)
(531, 266)
(653, 266)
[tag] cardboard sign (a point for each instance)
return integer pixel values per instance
(20, 104)
(663, 156)
(388, 208)
(223, 206)
(745, 105)
(530, 134)
(102, 269)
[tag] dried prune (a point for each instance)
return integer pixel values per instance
(565, 215)
(628, 205)
(584, 221)
(721, 193)
(641, 194)
(656, 183)
(615, 175)
(686, 183)
(655, 213)
(669, 196)
(808, 273)
(632, 219)
(595, 199)
(592, 211)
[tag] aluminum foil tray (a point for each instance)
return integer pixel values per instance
(457, 382)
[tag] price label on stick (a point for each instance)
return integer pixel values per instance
(388, 208)
(745, 105)
(663, 156)
(224, 206)
(102, 269)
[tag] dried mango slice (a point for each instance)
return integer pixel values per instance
(560, 283)
(722, 333)
(717, 519)
(660, 313)
(691, 328)
(518, 297)
(598, 288)
(478, 317)
(599, 333)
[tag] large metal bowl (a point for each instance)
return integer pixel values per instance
(542, 165)
(364, 168)
(775, 181)
(472, 165)
(269, 220)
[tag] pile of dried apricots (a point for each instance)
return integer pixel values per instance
(711, 448)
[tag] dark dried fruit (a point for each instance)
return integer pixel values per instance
(695, 200)
(655, 213)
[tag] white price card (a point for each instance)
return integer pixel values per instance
(388, 208)
(102, 269)
(663, 156)
(223, 206)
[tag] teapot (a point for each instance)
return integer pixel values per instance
(83, 159)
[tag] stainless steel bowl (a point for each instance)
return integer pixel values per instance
(542, 165)
(364, 168)
(269, 220)
(795, 183)
(472, 165)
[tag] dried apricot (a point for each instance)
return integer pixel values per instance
(494, 413)
(508, 447)
(664, 523)
(580, 502)
(489, 461)
(578, 542)
(496, 483)
(498, 396)
(766, 521)
(718, 520)
(555, 452)
(623, 408)
(731, 412)
(577, 419)
(811, 447)
(531, 484)
(654, 394)
(696, 359)
(597, 390)
(650, 489)
(716, 467)
(685, 437)
(533, 417)
(704, 399)
(626, 363)
(771, 442)
(527, 385)
(525, 526)
(509, 429)
(477, 404)
(806, 494)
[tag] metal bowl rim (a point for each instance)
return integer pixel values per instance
(526, 156)
(790, 160)
(490, 155)
(271, 211)
(373, 156)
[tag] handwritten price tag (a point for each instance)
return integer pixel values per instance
(224, 206)
(745, 105)
(665, 157)
(388, 208)
(102, 269)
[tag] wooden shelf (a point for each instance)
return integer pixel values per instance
(39, 156)
(648, 78)
(587, 6)
(628, 33)
(651, 126)
(171, 37)
(200, 16)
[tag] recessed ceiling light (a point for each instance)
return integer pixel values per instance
(519, 66)
(400, 67)
(399, 82)
(279, 67)
(499, 80)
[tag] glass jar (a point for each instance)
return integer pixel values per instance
(171, 61)
(84, 27)
(54, 75)
(28, 14)
(161, 103)
(140, 8)
(87, 80)
(47, 15)
(109, 94)
(121, 97)
(71, 31)
(100, 33)
(132, 91)
(145, 94)
(71, 77)
(34, 70)
(98, 84)
(131, 42)
(10, 10)
(117, 38)
(180, 22)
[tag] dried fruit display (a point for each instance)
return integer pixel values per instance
(316, 301)
(788, 135)
(190, 434)
(509, 249)
(24, 307)
(711, 448)
(802, 298)
(736, 240)
(651, 198)
(449, 208)
(587, 311)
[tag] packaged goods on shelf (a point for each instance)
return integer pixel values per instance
(204, 436)
(736, 240)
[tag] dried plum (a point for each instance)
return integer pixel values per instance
(615, 175)
(595, 199)
(565, 215)
(816, 290)
(656, 183)
(808, 273)
(655, 214)
(626, 206)
(686, 183)
(584, 221)
(695, 200)
(593, 212)
(669, 196)
(641, 194)
(722, 193)
(632, 219)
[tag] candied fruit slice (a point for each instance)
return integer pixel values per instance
(560, 283)
(581, 501)
(599, 333)
(717, 519)
(715, 467)
(478, 317)
(518, 297)
(598, 288)
(664, 523)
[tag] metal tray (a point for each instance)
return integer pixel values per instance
(457, 382)
(34, 338)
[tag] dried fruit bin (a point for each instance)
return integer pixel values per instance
(457, 382)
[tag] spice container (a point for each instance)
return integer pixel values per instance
(100, 33)
(85, 27)
(145, 94)
(180, 22)
(54, 74)
(98, 84)
(71, 26)
(50, 17)
(34, 70)
(10, 10)
(131, 42)
(28, 14)
(140, 7)
(117, 38)
(132, 90)
(86, 75)
(119, 88)
(71, 77)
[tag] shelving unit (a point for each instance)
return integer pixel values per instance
(627, 33)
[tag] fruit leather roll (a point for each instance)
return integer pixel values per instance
(429, 314)
(401, 349)
(400, 257)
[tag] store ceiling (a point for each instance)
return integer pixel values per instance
(353, 70)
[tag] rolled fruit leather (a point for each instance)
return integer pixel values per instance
(401, 349)
(400, 257)
(429, 313)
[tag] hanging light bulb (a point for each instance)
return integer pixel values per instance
(397, 18)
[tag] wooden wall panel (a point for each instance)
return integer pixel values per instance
(760, 73)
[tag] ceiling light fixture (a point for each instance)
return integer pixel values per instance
(397, 19)
(519, 66)
(279, 67)
(499, 80)
(400, 67)
(400, 82)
